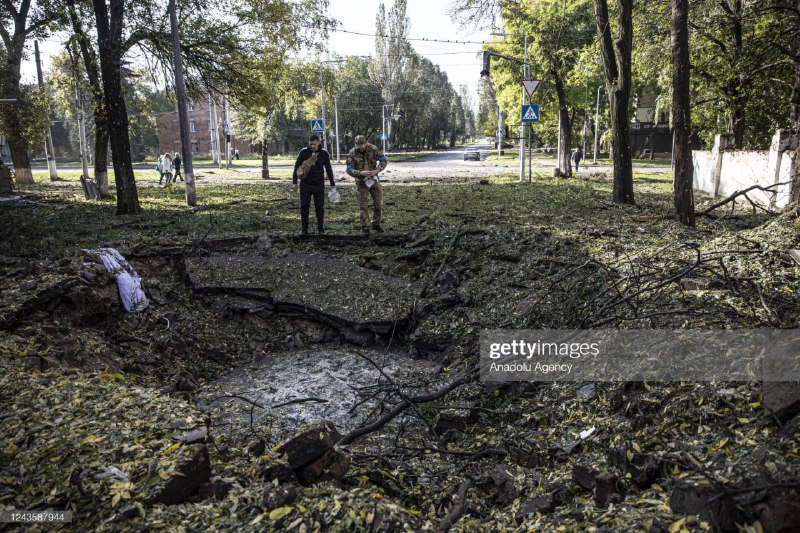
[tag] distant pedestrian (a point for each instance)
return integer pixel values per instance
(577, 155)
(176, 163)
(310, 168)
(236, 154)
(364, 162)
(166, 168)
(160, 170)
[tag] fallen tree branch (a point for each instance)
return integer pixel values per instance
(406, 403)
(732, 197)
(458, 508)
(299, 400)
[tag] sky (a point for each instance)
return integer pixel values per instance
(428, 20)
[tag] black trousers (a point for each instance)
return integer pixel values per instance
(306, 193)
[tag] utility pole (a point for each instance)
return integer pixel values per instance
(596, 124)
(48, 145)
(336, 111)
(499, 131)
(183, 115)
(322, 99)
(226, 130)
(383, 127)
(523, 130)
(211, 130)
(217, 143)
(79, 109)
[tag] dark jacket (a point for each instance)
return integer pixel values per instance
(316, 176)
(176, 162)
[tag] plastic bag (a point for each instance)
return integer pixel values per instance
(334, 196)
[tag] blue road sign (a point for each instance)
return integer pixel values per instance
(530, 113)
(317, 125)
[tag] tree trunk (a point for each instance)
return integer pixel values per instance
(794, 106)
(100, 118)
(265, 151)
(617, 68)
(681, 114)
(565, 135)
(10, 84)
(183, 114)
(109, 39)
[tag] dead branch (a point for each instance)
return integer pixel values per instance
(469, 377)
(743, 192)
(299, 400)
(458, 508)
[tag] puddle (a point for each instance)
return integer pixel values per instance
(346, 382)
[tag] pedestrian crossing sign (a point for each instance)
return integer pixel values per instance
(317, 125)
(530, 113)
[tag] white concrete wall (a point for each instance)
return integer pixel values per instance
(703, 177)
(725, 172)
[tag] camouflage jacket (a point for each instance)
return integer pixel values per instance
(370, 158)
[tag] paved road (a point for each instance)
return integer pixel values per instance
(446, 164)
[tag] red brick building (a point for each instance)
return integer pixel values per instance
(200, 119)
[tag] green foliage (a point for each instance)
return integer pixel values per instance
(26, 117)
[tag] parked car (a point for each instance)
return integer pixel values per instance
(472, 154)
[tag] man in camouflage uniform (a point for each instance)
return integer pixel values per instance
(364, 162)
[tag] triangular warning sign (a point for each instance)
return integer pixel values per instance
(316, 126)
(530, 114)
(530, 86)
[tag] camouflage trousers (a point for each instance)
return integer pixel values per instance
(376, 191)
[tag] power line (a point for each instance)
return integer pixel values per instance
(424, 39)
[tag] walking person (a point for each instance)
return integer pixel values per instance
(160, 170)
(176, 163)
(577, 155)
(166, 168)
(310, 168)
(364, 162)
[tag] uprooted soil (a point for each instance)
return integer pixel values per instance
(105, 412)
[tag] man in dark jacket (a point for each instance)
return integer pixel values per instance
(176, 162)
(310, 168)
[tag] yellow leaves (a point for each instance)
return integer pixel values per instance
(112, 377)
(629, 455)
(280, 512)
(754, 405)
(163, 475)
(678, 526)
(92, 439)
(120, 490)
(636, 447)
(743, 420)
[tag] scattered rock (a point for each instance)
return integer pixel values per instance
(33, 364)
(188, 476)
(281, 496)
(499, 484)
(178, 345)
(584, 476)
(712, 504)
(605, 489)
(310, 443)
(529, 508)
(643, 468)
(217, 355)
(27, 285)
(781, 512)
(527, 458)
(781, 399)
(331, 465)
(586, 392)
(197, 434)
(279, 471)
(454, 419)
(212, 490)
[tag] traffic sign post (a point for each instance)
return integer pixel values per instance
(530, 113)
(530, 86)
(318, 125)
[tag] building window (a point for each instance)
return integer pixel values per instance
(190, 106)
(192, 127)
